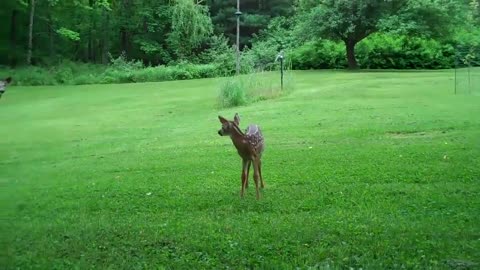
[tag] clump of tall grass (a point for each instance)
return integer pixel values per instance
(253, 87)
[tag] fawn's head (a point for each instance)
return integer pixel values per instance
(4, 83)
(228, 126)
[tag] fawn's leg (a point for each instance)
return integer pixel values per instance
(244, 176)
(256, 176)
(248, 172)
(260, 173)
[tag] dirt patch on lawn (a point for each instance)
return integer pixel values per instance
(415, 134)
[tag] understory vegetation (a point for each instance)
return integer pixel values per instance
(119, 70)
(379, 51)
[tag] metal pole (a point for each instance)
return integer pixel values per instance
(280, 56)
(455, 80)
(238, 13)
(281, 73)
(469, 82)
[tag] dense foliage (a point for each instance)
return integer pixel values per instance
(200, 34)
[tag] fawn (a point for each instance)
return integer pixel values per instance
(3, 85)
(250, 146)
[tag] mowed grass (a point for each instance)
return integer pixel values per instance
(371, 170)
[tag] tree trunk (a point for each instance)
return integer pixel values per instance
(90, 46)
(30, 32)
(88, 53)
(106, 37)
(94, 44)
(124, 40)
(13, 38)
(352, 61)
(124, 33)
(51, 35)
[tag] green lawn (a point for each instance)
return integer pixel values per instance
(373, 170)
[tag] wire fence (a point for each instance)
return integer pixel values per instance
(467, 70)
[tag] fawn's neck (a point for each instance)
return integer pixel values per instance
(237, 136)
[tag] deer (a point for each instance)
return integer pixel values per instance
(250, 146)
(3, 85)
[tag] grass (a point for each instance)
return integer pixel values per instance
(371, 170)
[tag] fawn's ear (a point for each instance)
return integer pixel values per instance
(8, 80)
(222, 120)
(236, 119)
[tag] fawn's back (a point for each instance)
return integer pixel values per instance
(255, 138)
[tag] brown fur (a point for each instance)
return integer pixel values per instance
(250, 146)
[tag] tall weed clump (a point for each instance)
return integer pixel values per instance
(233, 92)
(256, 86)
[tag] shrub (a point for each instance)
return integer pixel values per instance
(205, 71)
(30, 76)
(62, 75)
(121, 63)
(467, 47)
(220, 54)
(152, 74)
(389, 51)
(85, 78)
(119, 72)
(323, 54)
(383, 51)
(260, 57)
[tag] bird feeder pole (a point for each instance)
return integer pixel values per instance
(238, 14)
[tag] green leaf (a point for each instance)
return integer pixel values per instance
(68, 34)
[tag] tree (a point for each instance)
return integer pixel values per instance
(191, 24)
(437, 19)
(30, 32)
(350, 21)
(256, 15)
(475, 11)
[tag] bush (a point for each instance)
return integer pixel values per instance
(122, 64)
(389, 51)
(30, 76)
(180, 72)
(118, 72)
(323, 54)
(85, 78)
(220, 54)
(467, 48)
(152, 74)
(384, 51)
(260, 57)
